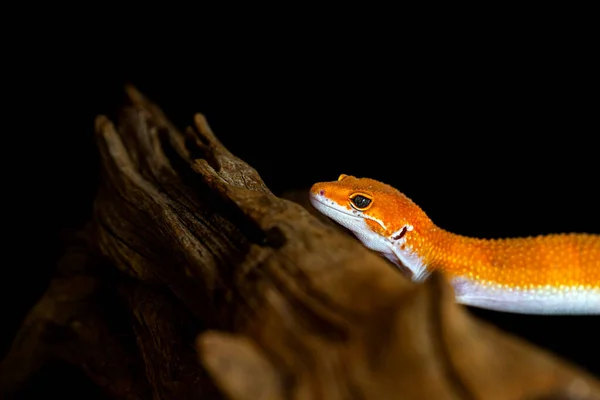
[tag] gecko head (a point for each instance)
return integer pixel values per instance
(367, 207)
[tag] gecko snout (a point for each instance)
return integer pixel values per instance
(317, 190)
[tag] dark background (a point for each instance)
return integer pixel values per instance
(491, 131)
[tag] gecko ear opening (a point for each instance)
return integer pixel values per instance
(342, 176)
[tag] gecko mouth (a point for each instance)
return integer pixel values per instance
(314, 199)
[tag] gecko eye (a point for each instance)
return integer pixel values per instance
(360, 202)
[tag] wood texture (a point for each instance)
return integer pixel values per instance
(194, 281)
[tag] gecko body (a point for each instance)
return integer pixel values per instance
(545, 274)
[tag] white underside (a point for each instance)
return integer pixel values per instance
(546, 300)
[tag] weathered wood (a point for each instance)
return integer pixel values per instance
(220, 288)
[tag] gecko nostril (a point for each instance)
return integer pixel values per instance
(322, 192)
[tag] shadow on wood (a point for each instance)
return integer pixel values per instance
(194, 281)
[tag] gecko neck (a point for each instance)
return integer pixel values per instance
(551, 274)
(533, 261)
(458, 255)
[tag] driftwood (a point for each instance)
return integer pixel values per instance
(194, 281)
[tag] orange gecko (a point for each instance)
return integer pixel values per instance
(546, 274)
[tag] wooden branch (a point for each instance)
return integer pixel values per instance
(205, 284)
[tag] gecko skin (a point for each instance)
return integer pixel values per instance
(546, 274)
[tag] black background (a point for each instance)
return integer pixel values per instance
(491, 130)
